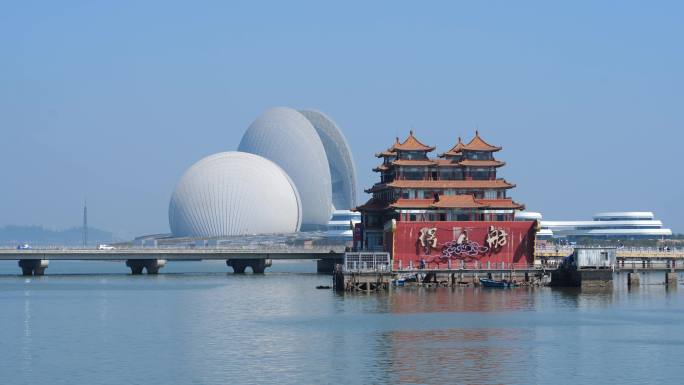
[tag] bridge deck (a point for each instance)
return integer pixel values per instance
(167, 254)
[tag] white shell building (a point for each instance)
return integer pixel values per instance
(286, 137)
(234, 193)
(616, 225)
(340, 161)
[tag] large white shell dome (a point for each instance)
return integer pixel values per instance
(286, 137)
(234, 193)
(340, 161)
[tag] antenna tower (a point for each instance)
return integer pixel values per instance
(85, 223)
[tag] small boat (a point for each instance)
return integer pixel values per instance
(322, 287)
(403, 279)
(492, 283)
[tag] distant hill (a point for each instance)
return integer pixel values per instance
(13, 235)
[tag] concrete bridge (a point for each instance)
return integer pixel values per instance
(35, 261)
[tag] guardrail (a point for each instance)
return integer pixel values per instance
(366, 262)
(264, 248)
(662, 264)
(621, 252)
(625, 249)
(476, 265)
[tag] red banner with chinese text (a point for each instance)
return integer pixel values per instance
(443, 244)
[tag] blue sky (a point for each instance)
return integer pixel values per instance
(114, 100)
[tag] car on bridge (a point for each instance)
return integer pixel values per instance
(105, 247)
(24, 246)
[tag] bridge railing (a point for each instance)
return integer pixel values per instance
(367, 262)
(564, 250)
(647, 264)
(227, 248)
(567, 250)
(471, 265)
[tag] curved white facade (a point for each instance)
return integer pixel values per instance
(625, 224)
(528, 216)
(286, 137)
(624, 215)
(340, 161)
(234, 193)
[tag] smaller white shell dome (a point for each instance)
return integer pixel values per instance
(234, 193)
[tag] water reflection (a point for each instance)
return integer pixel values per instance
(455, 355)
(26, 341)
(219, 328)
(466, 299)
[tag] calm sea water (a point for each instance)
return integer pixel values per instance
(91, 323)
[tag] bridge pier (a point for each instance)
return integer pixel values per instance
(633, 279)
(258, 265)
(584, 278)
(671, 278)
(327, 266)
(33, 266)
(152, 266)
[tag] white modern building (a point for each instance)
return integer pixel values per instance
(291, 171)
(342, 223)
(340, 161)
(234, 193)
(615, 225)
(284, 136)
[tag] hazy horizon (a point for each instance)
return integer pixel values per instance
(114, 101)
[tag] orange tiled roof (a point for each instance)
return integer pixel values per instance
(478, 144)
(481, 163)
(385, 153)
(381, 167)
(414, 162)
(372, 205)
(454, 151)
(411, 144)
(463, 184)
(506, 203)
(412, 203)
(463, 201)
(390, 151)
(446, 163)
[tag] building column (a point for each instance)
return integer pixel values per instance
(671, 279)
(258, 265)
(34, 267)
(136, 266)
(152, 266)
(327, 266)
(633, 279)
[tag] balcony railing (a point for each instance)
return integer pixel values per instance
(366, 262)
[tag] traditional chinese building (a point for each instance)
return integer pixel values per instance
(458, 192)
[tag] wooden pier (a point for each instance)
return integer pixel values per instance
(366, 272)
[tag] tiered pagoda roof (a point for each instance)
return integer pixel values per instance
(390, 151)
(454, 151)
(410, 144)
(481, 163)
(440, 181)
(464, 201)
(441, 163)
(444, 184)
(478, 144)
(372, 205)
